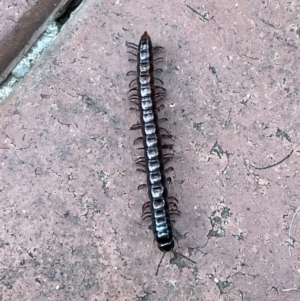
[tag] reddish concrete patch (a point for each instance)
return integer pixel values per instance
(21, 23)
(71, 226)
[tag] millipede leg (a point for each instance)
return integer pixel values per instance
(134, 109)
(175, 212)
(156, 48)
(133, 96)
(132, 53)
(163, 129)
(136, 126)
(134, 102)
(140, 160)
(159, 59)
(132, 89)
(173, 199)
(146, 215)
(139, 139)
(132, 45)
(169, 169)
(129, 73)
(160, 87)
(162, 120)
(146, 205)
(160, 94)
(160, 107)
(164, 136)
(168, 157)
(158, 79)
(142, 186)
(166, 160)
(134, 80)
(159, 100)
(167, 146)
(134, 99)
(174, 206)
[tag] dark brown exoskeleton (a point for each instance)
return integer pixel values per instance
(147, 96)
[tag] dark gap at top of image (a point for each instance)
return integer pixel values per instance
(67, 10)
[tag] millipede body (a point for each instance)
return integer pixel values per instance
(147, 95)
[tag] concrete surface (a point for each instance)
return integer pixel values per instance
(70, 210)
(21, 23)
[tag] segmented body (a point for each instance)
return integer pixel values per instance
(154, 161)
(145, 95)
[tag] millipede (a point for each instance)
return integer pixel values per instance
(146, 93)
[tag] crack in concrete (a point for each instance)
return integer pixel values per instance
(35, 51)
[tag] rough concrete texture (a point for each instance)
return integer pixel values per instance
(70, 211)
(21, 22)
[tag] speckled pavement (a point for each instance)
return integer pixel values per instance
(70, 211)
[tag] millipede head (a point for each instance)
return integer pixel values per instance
(145, 36)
